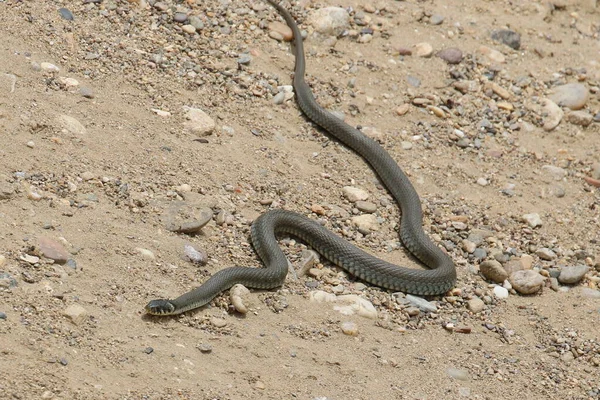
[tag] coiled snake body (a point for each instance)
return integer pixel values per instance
(437, 280)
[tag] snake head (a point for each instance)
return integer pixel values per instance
(160, 307)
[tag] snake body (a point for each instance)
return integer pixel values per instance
(438, 279)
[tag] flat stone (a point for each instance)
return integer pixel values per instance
(572, 274)
(571, 95)
(355, 194)
(53, 250)
(510, 38)
(70, 125)
(532, 219)
(424, 50)
(580, 117)
(282, 29)
(526, 281)
(545, 253)
(366, 206)
(552, 114)
(330, 21)
(492, 54)
(76, 313)
(451, 55)
(421, 303)
(493, 270)
(366, 223)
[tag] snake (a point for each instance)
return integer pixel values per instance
(437, 279)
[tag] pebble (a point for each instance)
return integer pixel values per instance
(49, 67)
(526, 281)
(76, 313)
(355, 194)
(196, 22)
(66, 14)
(204, 348)
(218, 322)
(195, 256)
(556, 173)
(188, 28)
(570, 275)
(421, 303)
(436, 19)
(458, 374)
(282, 29)
(7, 281)
(238, 296)
(330, 21)
(451, 55)
(198, 122)
(365, 223)
(52, 249)
(532, 219)
(349, 328)
(279, 98)
(510, 38)
(424, 50)
(244, 59)
(493, 270)
(356, 305)
(581, 118)
(482, 181)
(70, 125)
(476, 305)
(403, 109)
(2, 315)
(590, 293)
(571, 95)
(2, 260)
(31, 144)
(147, 254)
(366, 206)
(552, 114)
(180, 17)
(500, 292)
(87, 92)
(28, 258)
(545, 253)
(492, 54)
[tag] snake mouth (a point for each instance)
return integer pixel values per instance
(160, 307)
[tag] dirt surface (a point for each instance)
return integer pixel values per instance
(105, 191)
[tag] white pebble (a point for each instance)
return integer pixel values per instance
(236, 294)
(349, 328)
(31, 144)
(500, 292)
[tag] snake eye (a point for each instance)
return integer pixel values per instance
(160, 307)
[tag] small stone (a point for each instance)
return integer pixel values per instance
(532, 219)
(500, 91)
(196, 22)
(571, 95)
(366, 206)
(421, 303)
(204, 348)
(87, 92)
(581, 118)
(510, 38)
(239, 297)
(188, 28)
(526, 281)
(354, 194)
(147, 254)
(482, 181)
(545, 253)
(3, 316)
(180, 17)
(76, 313)
(451, 55)
(403, 109)
(366, 223)
(572, 274)
(28, 258)
(424, 50)
(148, 350)
(492, 54)
(458, 374)
(554, 172)
(7, 281)
(552, 114)
(349, 328)
(244, 59)
(70, 125)
(590, 293)
(198, 122)
(218, 322)
(49, 67)
(31, 144)
(330, 21)
(493, 270)
(412, 311)
(282, 29)
(2, 260)
(500, 292)
(476, 305)
(260, 385)
(195, 256)
(66, 14)
(53, 250)
(436, 19)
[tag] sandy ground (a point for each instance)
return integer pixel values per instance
(104, 192)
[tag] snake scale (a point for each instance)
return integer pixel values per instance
(438, 279)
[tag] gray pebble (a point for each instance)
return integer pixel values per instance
(451, 55)
(597, 117)
(421, 303)
(572, 95)
(480, 253)
(436, 19)
(590, 293)
(572, 274)
(279, 98)
(493, 270)
(7, 281)
(244, 59)
(196, 22)
(580, 117)
(476, 305)
(195, 256)
(510, 38)
(546, 254)
(66, 14)
(204, 348)
(366, 206)
(526, 281)
(148, 350)
(180, 17)
(458, 374)
(87, 92)
(2, 315)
